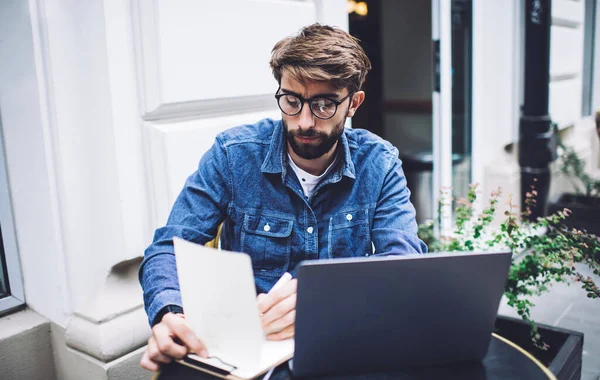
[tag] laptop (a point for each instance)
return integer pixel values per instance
(378, 314)
(395, 312)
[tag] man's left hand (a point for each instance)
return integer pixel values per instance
(278, 310)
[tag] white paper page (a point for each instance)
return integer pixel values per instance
(272, 353)
(219, 300)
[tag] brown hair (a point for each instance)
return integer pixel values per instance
(321, 53)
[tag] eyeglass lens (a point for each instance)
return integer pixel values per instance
(321, 107)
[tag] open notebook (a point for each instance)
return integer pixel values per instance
(219, 299)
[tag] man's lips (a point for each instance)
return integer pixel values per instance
(307, 139)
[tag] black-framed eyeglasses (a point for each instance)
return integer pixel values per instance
(322, 107)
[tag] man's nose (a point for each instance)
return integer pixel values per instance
(307, 119)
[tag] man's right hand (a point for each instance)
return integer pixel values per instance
(171, 339)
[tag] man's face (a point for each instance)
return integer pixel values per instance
(308, 136)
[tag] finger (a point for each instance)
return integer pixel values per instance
(165, 342)
(277, 295)
(148, 364)
(154, 353)
(281, 323)
(279, 310)
(282, 281)
(286, 333)
(181, 330)
(259, 299)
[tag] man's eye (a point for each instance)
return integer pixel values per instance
(292, 101)
(323, 104)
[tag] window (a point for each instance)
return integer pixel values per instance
(588, 57)
(11, 287)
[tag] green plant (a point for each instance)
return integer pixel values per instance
(552, 249)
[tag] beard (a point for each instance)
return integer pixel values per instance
(322, 144)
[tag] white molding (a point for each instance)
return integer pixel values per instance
(567, 13)
(565, 101)
(178, 72)
(109, 340)
(147, 53)
(52, 145)
(563, 77)
(174, 149)
(127, 128)
(10, 302)
(113, 322)
(566, 51)
(202, 109)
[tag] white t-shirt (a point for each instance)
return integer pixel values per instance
(307, 180)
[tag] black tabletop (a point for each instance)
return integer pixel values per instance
(504, 360)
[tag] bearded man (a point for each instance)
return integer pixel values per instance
(300, 188)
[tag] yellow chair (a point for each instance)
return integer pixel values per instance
(216, 242)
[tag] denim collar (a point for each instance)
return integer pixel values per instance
(276, 158)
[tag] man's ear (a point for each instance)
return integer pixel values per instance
(357, 99)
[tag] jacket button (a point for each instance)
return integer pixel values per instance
(309, 230)
(267, 228)
(349, 217)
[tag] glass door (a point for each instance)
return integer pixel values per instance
(461, 96)
(451, 100)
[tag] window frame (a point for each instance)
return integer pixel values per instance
(596, 65)
(589, 47)
(16, 298)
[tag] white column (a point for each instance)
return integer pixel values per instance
(442, 108)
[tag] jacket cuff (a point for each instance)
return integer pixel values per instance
(161, 300)
(165, 310)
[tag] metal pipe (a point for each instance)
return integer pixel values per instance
(537, 144)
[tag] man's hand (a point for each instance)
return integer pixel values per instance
(278, 309)
(171, 339)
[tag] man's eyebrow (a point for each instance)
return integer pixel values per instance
(324, 95)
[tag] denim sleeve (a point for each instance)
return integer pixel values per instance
(196, 215)
(394, 230)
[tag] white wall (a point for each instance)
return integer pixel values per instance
(216, 82)
(107, 106)
(90, 87)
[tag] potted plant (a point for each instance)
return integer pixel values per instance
(584, 203)
(544, 252)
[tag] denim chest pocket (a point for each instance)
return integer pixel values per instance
(267, 240)
(349, 234)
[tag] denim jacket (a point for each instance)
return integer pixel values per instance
(360, 208)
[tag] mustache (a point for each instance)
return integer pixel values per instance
(307, 133)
